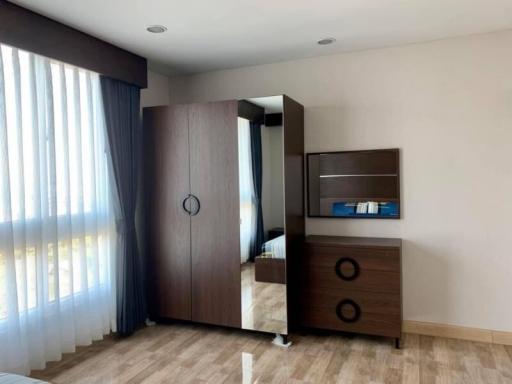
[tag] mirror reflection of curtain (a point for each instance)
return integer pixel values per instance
(257, 178)
(246, 184)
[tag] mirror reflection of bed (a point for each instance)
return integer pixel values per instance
(262, 233)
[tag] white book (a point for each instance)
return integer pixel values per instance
(362, 208)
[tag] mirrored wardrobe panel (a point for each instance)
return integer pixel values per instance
(262, 214)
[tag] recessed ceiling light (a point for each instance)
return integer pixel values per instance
(156, 29)
(326, 41)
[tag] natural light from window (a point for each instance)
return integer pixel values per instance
(55, 203)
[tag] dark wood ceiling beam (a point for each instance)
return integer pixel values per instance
(33, 32)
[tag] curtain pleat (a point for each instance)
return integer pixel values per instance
(257, 177)
(57, 229)
(122, 112)
(246, 186)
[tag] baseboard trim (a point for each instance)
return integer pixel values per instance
(457, 332)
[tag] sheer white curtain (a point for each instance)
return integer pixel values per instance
(56, 232)
(247, 197)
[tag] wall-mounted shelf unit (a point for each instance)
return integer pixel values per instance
(354, 184)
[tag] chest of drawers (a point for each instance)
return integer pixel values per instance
(352, 284)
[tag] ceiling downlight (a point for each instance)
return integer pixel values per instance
(156, 29)
(326, 41)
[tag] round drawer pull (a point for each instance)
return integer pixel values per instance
(348, 304)
(355, 267)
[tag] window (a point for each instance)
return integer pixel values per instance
(56, 226)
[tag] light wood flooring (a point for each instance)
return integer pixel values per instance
(184, 353)
(263, 304)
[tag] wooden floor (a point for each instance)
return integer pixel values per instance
(183, 353)
(263, 304)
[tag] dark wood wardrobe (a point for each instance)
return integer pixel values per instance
(191, 193)
(191, 166)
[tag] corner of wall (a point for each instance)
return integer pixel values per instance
(157, 92)
(178, 89)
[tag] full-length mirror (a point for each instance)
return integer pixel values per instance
(262, 214)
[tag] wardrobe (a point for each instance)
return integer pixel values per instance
(192, 210)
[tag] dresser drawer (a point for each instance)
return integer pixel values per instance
(375, 259)
(353, 269)
(366, 280)
(352, 311)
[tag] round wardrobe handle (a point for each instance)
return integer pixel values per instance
(355, 267)
(198, 205)
(346, 304)
(184, 204)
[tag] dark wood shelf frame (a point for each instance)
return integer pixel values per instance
(364, 175)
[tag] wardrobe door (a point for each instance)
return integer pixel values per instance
(293, 124)
(216, 226)
(167, 185)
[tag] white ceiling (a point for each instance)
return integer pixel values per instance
(271, 104)
(217, 34)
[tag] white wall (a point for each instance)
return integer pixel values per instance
(448, 106)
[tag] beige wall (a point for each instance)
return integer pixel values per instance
(273, 180)
(448, 106)
(157, 92)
